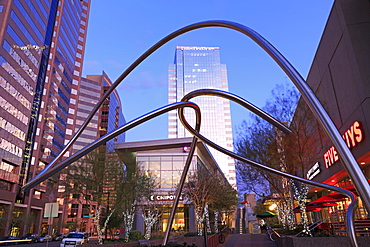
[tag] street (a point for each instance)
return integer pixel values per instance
(50, 244)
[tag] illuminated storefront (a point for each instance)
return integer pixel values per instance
(165, 160)
(339, 76)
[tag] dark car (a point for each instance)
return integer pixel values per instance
(9, 240)
(33, 237)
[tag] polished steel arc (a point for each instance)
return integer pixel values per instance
(61, 165)
(360, 182)
(239, 100)
(350, 163)
(227, 95)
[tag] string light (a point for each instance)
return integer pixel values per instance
(150, 219)
(128, 220)
(300, 197)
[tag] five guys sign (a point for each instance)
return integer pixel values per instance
(352, 136)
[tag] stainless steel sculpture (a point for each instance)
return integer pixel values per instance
(310, 98)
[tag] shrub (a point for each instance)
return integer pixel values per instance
(135, 235)
(190, 234)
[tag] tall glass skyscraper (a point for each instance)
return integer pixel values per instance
(200, 68)
(41, 52)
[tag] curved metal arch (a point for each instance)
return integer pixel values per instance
(353, 169)
(144, 118)
(314, 104)
(236, 99)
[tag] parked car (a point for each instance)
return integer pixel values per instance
(45, 238)
(33, 237)
(9, 240)
(59, 237)
(75, 238)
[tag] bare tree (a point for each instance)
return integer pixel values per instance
(292, 153)
(107, 186)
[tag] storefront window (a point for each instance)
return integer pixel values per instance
(181, 220)
(154, 163)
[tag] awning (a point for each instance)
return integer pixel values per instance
(266, 214)
(352, 188)
(333, 197)
(309, 208)
(315, 206)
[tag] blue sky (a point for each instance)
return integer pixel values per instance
(119, 32)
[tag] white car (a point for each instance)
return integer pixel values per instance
(75, 238)
(45, 238)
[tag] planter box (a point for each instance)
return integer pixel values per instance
(337, 241)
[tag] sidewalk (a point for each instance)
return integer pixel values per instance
(253, 240)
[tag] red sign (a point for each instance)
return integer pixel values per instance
(352, 136)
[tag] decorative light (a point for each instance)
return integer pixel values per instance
(272, 207)
(300, 197)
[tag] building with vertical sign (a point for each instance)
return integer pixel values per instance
(340, 78)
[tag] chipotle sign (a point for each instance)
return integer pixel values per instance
(352, 137)
(164, 198)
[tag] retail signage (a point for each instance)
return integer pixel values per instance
(159, 198)
(352, 137)
(313, 171)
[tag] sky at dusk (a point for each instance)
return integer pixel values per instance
(120, 31)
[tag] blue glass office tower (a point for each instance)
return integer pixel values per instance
(200, 68)
(41, 52)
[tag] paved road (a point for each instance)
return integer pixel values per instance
(252, 240)
(50, 244)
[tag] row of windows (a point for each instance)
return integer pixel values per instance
(90, 92)
(17, 77)
(20, 61)
(25, 49)
(70, 37)
(62, 108)
(5, 166)
(14, 92)
(13, 111)
(61, 120)
(29, 20)
(71, 24)
(36, 13)
(65, 51)
(74, 11)
(4, 124)
(23, 29)
(10, 147)
(57, 144)
(63, 96)
(14, 36)
(41, 7)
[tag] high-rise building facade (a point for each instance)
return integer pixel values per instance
(108, 118)
(41, 53)
(200, 68)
